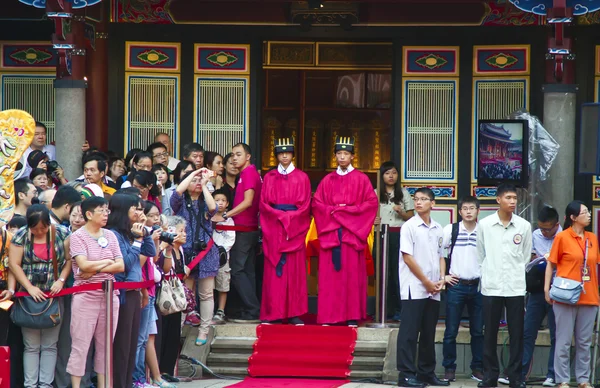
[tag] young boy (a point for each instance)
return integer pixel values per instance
(224, 239)
(422, 269)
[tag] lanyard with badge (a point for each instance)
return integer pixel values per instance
(585, 271)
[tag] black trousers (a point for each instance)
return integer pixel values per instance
(126, 337)
(243, 272)
(515, 317)
(419, 319)
(393, 305)
(170, 332)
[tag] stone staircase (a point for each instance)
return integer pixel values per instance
(233, 344)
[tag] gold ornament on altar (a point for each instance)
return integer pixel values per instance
(335, 127)
(356, 127)
(273, 127)
(17, 128)
(376, 127)
(315, 127)
(291, 128)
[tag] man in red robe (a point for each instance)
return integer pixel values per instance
(344, 207)
(284, 219)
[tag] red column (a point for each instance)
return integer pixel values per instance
(97, 91)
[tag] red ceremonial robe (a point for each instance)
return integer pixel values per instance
(284, 296)
(343, 293)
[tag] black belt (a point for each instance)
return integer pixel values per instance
(468, 282)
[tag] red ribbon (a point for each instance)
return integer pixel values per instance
(93, 287)
(201, 255)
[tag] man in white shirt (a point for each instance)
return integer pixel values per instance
(504, 248)
(460, 241)
(38, 143)
(421, 279)
(166, 140)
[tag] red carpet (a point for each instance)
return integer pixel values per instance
(302, 351)
(266, 382)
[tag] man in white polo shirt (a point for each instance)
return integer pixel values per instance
(504, 248)
(460, 241)
(421, 272)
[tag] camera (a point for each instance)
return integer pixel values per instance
(199, 246)
(52, 166)
(164, 236)
(39, 277)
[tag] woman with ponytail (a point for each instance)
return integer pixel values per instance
(574, 256)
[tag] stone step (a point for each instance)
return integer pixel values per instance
(238, 345)
(366, 374)
(367, 363)
(370, 348)
(228, 359)
(230, 371)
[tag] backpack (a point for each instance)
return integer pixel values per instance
(453, 238)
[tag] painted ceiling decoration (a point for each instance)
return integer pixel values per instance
(541, 7)
(76, 3)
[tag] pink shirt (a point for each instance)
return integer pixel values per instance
(249, 180)
(82, 244)
(148, 269)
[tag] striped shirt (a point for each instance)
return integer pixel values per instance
(463, 262)
(37, 268)
(83, 244)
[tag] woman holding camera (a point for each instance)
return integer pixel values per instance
(193, 201)
(39, 261)
(39, 159)
(146, 351)
(171, 262)
(127, 221)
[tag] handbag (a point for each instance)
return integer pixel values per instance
(39, 315)
(566, 290)
(172, 296)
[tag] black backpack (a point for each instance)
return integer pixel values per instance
(453, 238)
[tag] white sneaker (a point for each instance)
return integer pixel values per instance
(504, 380)
(549, 382)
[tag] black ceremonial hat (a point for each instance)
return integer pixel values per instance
(344, 143)
(284, 144)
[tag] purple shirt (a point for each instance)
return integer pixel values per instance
(249, 180)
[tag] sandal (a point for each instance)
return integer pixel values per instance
(164, 384)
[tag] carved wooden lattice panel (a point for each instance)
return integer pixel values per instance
(221, 118)
(152, 107)
(429, 133)
(33, 94)
(496, 99)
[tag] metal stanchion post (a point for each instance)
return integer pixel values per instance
(383, 282)
(108, 288)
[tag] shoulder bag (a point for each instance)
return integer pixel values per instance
(568, 291)
(30, 314)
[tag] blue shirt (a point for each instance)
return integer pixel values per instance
(131, 259)
(540, 244)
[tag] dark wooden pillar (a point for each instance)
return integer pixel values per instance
(97, 79)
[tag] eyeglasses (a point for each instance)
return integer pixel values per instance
(162, 154)
(548, 230)
(468, 209)
(100, 211)
(422, 199)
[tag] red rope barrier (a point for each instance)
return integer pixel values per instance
(93, 287)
